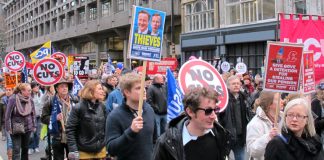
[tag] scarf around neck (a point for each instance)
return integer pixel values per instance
(27, 109)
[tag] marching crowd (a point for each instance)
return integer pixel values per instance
(104, 121)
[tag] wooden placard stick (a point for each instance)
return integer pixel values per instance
(277, 111)
(140, 104)
(16, 78)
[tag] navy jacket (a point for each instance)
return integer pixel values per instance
(122, 141)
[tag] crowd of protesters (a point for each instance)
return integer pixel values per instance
(104, 122)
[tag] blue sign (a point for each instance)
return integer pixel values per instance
(147, 34)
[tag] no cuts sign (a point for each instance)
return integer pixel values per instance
(15, 61)
(61, 57)
(198, 73)
(48, 72)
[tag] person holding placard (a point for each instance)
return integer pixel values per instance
(260, 129)
(55, 114)
(298, 139)
(131, 137)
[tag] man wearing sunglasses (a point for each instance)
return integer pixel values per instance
(195, 134)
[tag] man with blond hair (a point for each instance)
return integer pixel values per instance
(130, 136)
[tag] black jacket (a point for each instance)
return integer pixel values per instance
(169, 146)
(319, 121)
(157, 98)
(226, 118)
(289, 147)
(85, 128)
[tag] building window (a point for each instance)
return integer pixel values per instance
(267, 8)
(300, 6)
(106, 7)
(93, 14)
(247, 11)
(88, 47)
(252, 54)
(73, 3)
(120, 5)
(63, 23)
(71, 19)
(115, 44)
(199, 15)
(81, 16)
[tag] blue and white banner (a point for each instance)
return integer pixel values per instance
(110, 69)
(24, 75)
(53, 127)
(146, 35)
(175, 96)
(77, 85)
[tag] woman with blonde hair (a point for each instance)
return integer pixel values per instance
(260, 129)
(20, 120)
(298, 139)
(86, 124)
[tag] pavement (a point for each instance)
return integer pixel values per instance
(34, 156)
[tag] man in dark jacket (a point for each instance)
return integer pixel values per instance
(130, 136)
(195, 134)
(318, 110)
(157, 98)
(236, 117)
(55, 114)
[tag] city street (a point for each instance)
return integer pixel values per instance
(34, 156)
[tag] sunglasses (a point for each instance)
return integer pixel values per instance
(209, 111)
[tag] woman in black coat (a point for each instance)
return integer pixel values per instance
(86, 124)
(298, 139)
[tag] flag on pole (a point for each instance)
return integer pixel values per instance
(24, 75)
(53, 127)
(77, 85)
(41, 53)
(109, 67)
(175, 96)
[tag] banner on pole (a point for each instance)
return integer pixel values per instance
(308, 31)
(146, 34)
(283, 67)
(308, 73)
(41, 53)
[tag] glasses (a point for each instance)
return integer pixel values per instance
(298, 117)
(209, 111)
